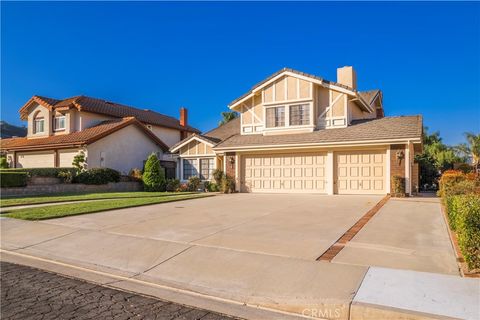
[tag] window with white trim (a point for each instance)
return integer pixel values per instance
(190, 168)
(299, 114)
(38, 125)
(275, 117)
(59, 123)
(206, 168)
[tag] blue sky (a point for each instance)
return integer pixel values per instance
(157, 55)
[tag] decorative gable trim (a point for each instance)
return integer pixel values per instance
(186, 141)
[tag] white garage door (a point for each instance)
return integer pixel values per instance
(360, 172)
(40, 159)
(65, 157)
(284, 173)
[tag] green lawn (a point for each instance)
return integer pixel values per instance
(62, 210)
(78, 197)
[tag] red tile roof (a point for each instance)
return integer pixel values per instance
(78, 138)
(94, 105)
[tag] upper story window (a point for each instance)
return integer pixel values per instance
(38, 125)
(59, 123)
(299, 114)
(275, 117)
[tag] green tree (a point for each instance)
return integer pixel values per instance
(79, 161)
(436, 158)
(471, 149)
(228, 116)
(153, 175)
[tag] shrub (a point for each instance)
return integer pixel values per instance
(464, 216)
(398, 185)
(210, 186)
(13, 179)
(193, 183)
(172, 185)
(153, 174)
(182, 187)
(218, 175)
(41, 172)
(79, 161)
(227, 184)
(449, 180)
(135, 174)
(97, 176)
(3, 162)
(66, 176)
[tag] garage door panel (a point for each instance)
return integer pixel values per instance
(360, 172)
(40, 159)
(284, 173)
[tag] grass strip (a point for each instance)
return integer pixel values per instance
(9, 202)
(71, 209)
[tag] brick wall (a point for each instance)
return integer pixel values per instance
(397, 168)
(230, 164)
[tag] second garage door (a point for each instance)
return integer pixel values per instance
(284, 173)
(360, 172)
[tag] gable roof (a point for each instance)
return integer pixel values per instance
(388, 129)
(213, 136)
(315, 78)
(79, 138)
(369, 95)
(94, 105)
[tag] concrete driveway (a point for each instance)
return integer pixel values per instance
(241, 250)
(298, 226)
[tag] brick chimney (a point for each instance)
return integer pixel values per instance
(183, 117)
(347, 76)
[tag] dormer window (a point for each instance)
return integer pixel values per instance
(300, 115)
(59, 123)
(38, 124)
(275, 117)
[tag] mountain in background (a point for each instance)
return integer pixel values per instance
(8, 130)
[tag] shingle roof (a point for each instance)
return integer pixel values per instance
(113, 109)
(405, 127)
(83, 137)
(292, 71)
(216, 135)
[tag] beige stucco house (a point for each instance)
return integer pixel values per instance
(301, 133)
(110, 134)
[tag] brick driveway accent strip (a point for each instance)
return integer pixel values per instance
(347, 236)
(28, 293)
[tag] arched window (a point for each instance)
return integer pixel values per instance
(38, 123)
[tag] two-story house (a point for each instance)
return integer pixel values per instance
(301, 133)
(110, 134)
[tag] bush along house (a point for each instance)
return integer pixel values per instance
(298, 132)
(110, 134)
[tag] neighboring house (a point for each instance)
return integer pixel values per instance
(111, 135)
(300, 133)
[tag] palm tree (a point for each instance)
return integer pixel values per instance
(471, 149)
(228, 116)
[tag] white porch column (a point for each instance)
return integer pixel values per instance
(330, 170)
(180, 169)
(388, 171)
(408, 171)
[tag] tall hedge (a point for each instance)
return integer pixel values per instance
(153, 175)
(13, 179)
